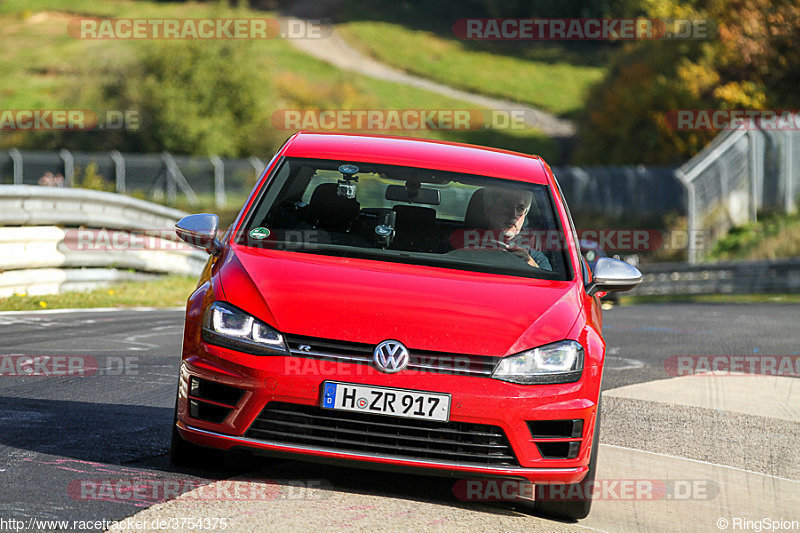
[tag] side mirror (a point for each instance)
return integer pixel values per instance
(613, 275)
(201, 231)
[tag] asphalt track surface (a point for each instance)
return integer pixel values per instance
(57, 433)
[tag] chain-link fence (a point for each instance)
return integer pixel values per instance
(163, 177)
(741, 172)
(615, 191)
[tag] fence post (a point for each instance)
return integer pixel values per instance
(756, 170)
(16, 159)
(788, 176)
(691, 214)
(257, 164)
(175, 178)
(219, 180)
(119, 170)
(69, 167)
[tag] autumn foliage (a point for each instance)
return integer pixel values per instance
(751, 60)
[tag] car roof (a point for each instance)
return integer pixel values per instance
(422, 153)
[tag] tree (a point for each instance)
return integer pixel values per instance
(750, 62)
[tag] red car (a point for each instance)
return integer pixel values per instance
(396, 303)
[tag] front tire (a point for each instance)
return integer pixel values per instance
(575, 500)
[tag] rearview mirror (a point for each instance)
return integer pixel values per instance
(201, 231)
(413, 195)
(613, 275)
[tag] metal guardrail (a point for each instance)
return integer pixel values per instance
(730, 277)
(26, 205)
(53, 247)
(39, 256)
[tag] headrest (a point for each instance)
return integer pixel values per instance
(329, 210)
(475, 216)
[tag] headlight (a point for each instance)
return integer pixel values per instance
(560, 362)
(228, 326)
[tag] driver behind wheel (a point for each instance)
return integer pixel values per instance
(505, 212)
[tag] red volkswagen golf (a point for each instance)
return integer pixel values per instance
(397, 303)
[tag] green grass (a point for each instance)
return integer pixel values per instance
(44, 67)
(314, 84)
(555, 85)
(713, 298)
(772, 237)
(166, 291)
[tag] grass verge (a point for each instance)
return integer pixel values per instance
(553, 84)
(167, 291)
(713, 299)
(773, 236)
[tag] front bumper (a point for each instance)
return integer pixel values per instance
(322, 454)
(475, 400)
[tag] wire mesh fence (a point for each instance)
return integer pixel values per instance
(167, 178)
(741, 172)
(162, 177)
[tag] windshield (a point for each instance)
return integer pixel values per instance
(409, 215)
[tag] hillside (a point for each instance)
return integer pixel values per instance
(45, 68)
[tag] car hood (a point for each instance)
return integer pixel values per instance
(425, 308)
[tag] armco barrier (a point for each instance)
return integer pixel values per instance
(26, 205)
(45, 247)
(730, 277)
(38, 257)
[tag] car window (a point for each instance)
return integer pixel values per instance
(410, 215)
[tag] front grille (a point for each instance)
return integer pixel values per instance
(293, 424)
(360, 353)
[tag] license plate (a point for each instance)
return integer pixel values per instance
(386, 401)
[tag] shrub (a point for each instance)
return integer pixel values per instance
(195, 97)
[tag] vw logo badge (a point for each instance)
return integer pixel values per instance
(391, 356)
